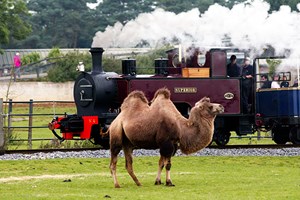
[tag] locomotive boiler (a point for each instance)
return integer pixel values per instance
(99, 94)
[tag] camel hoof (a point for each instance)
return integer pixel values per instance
(157, 182)
(170, 184)
(139, 184)
(117, 186)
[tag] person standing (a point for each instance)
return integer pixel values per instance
(80, 67)
(233, 70)
(247, 84)
(17, 66)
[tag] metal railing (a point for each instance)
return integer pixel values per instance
(8, 125)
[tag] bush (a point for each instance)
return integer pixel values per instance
(54, 53)
(30, 58)
(65, 68)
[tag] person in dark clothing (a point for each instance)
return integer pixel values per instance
(233, 70)
(295, 83)
(266, 83)
(247, 82)
(284, 83)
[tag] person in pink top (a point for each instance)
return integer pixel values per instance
(17, 66)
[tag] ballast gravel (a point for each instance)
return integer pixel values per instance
(142, 152)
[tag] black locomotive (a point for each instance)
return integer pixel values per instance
(98, 96)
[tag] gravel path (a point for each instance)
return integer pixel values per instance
(106, 153)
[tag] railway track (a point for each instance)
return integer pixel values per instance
(263, 146)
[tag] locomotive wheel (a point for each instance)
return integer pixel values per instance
(221, 136)
(295, 135)
(280, 135)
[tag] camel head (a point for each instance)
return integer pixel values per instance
(207, 108)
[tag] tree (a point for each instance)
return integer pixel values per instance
(111, 11)
(12, 24)
(275, 4)
(59, 23)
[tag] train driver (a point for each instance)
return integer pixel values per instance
(233, 69)
(247, 85)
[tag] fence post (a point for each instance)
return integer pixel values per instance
(30, 124)
(9, 118)
(2, 135)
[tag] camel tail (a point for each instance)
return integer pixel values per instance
(104, 134)
(163, 91)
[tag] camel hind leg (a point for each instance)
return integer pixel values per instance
(128, 164)
(168, 172)
(167, 150)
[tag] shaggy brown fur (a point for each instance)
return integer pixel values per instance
(161, 126)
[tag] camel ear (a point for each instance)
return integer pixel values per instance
(207, 99)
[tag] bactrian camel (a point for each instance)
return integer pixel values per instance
(159, 126)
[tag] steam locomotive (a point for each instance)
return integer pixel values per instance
(98, 96)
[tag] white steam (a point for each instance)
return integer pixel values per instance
(248, 25)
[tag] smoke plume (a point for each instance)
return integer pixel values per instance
(246, 26)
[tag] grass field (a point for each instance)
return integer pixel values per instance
(195, 178)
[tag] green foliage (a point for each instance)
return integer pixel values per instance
(111, 64)
(12, 21)
(55, 143)
(109, 11)
(71, 24)
(273, 64)
(145, 62)
(54, 53)
(65, 68)
(275, 4)
(30, 58)
(60, 23)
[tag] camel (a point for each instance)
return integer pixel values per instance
(159, 126)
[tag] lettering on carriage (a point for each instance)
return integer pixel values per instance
(185, 90)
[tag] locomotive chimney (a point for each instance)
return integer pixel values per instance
(97, 60)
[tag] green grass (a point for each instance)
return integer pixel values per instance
(194, 177)
(51, 110)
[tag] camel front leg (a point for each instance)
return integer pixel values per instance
(160, 168)
(128, 165)
(168, 172)
(113, 170)
(114, 151)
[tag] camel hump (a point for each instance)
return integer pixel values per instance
(163, 91)
(138, 94)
